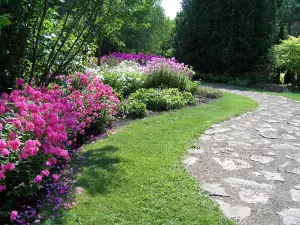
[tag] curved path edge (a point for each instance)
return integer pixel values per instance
(250, 165)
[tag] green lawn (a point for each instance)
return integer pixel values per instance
(292, 95)
(137, 177)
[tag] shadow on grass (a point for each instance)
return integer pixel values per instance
(101, 170)
(98, 177)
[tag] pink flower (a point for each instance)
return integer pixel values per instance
(45, 173)
(5, 152)
(1, 175)
(1, 126)
(19, 82)
(2, 188)
(12, 135)
(38, 179)
(88, 120)
(2, 145)
(17, 123)
(13, 215)
(10, 166)
(29, 126)
(79, 190)
(15, 144)
(55, 177)
(53, 161)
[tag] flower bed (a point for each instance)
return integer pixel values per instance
(41, 130)
(38, 132)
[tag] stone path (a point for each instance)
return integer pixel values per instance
(250, 165)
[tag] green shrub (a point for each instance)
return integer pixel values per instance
(286, 56)
(208, 92)
(132, 109)
(188, 98)
(167, 78)
(163, 99)
(242, 82)
(226, 78)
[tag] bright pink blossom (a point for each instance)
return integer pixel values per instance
(13, 215)
(5, 152)
(2, 188)
(55, 177)
(38, 179)
(19, 82)
(17, 123)
(45, 173)
(15, 144)
(2, 145)
(10, 166)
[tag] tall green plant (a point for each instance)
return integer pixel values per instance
(286, 56)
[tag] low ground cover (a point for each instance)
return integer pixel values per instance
(136, 176)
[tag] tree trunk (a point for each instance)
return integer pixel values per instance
(99, 56)
(36, 45)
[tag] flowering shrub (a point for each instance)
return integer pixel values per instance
(118, 57)
(158, 64)
(127, 73)
(125, 78)
(38, 128)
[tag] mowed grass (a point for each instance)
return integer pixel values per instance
(137, 177)
(292, 94)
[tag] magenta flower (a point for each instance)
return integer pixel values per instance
(13, 215)
(1, 175)
(19, 82)
(2, 188)
(2, 145)
(38, 179)
(15, 144)
(45, 173)
(5, 152)
(55, 177)
(10, 166)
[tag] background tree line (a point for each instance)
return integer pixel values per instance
(233, 38)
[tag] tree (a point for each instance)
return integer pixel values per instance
(47, 38)
(287, 57)
(147, 29)
(225, 36)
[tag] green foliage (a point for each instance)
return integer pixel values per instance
(132, 109)
(163, 100)
(243, 82)
(4, 21)
(47, 38)
(166, 78)
(208, 92)
(225, 78)
(230, 37)
(286, 56)
(147, 30)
